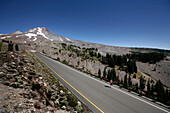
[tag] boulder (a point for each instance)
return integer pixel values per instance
(79, 107)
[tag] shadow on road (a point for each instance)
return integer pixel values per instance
(107, 86)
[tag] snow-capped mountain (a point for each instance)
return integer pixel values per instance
(35, 35)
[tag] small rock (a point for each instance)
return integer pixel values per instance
(31, 73)
(2, 74)
(79, 103)
(62, 93)
(9, 76)
(63, 102)
(56, 102)
(15, 85)
(68, 93)
(13, 66)
(53, 98)
(12, 80)
(12, 70)
(7, 83)
(13, 63)
(63, 107)
(37, 105)
(78, 108)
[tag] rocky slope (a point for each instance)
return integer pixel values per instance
(27, 86)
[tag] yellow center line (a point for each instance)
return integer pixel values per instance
(71, 85)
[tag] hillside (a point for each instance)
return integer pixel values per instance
(26, 86)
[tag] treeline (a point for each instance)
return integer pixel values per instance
(153, 90)
(152, 57)
(124, 62)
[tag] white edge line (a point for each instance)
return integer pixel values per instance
(111, 86)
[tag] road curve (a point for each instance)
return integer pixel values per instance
(94, 93)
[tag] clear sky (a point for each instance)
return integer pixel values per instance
(127, 23)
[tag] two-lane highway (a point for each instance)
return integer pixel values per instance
(95, 95)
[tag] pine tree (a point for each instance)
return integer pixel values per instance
(16, 47)
(109, 75)
(129, 81)
(104, 72)
(148, 87)
(113, 72)
(152, 90)
(10, 46)
(160, 90)
(118, 81)
(136, 85)
(99, 73)
(125, 82)
(142, 83)
(121, 81)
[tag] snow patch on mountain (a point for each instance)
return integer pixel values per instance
(30, 35)
(3, 37)
(35, 38)
(17, 32)
(41, 33)
(60, 39)
(68, 39)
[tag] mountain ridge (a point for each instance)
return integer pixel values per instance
(33, 35)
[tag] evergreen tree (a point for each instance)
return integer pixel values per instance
(142, 83)
(160, 90)
(121, 81)
(10, 46)
(16, 47)
(148, 87)
(104, 73)
(78, 63)
(125, 82)
(129, 81)
(152, 90)
(118, 81)
(136, 85)
(99, 73)
(108, 75)
(113, 75)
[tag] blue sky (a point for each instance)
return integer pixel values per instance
(127, 23)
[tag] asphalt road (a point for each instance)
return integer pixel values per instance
(96, 95)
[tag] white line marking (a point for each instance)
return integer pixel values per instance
(111, 86)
